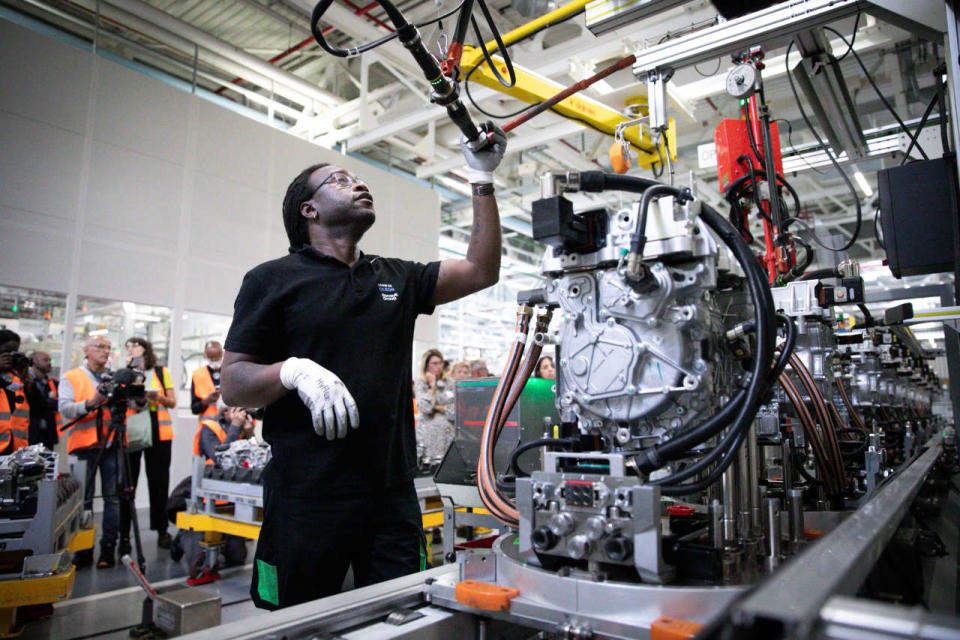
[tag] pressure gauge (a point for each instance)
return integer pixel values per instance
(742, 81)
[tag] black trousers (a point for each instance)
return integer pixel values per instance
(157, 459)
(306, 545)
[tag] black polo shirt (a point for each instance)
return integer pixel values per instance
(357, 322)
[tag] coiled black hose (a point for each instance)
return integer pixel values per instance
(744, 402)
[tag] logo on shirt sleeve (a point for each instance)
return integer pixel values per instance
(388, 292)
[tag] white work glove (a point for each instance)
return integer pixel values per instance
(484, 156)
(325, 395)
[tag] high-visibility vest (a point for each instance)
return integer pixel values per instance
(83, 433)
(19, 418)
(163, 415)
(5, 414)
(56, 395)
(202, 387)
(218, 431)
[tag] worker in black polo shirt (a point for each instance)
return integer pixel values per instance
(335, 325)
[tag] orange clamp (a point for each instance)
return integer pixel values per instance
(664, 628)
(483, 595)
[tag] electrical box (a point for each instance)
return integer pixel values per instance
(732, 141)
(918, 212)
(524, 422)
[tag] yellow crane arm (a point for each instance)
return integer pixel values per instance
(533, 88)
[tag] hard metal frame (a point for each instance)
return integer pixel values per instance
(951, 338)
(576, 604)
(771, 27)
(839, 563)
(843, 618)
(336, 613)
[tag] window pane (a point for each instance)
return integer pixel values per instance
(117, 321)
(37, 316)
(198, 329)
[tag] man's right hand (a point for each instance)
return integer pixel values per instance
(330, 403)
(212, 398)
(94, 402)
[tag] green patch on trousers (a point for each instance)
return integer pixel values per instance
(267, 583)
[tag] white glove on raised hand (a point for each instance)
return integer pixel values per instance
(484, 156)
(325, 395)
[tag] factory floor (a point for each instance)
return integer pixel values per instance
(105, 603)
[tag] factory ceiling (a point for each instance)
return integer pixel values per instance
(260, 55)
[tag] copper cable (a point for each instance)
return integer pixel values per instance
(813, 436)
(851, 411)
(823, 414)
(498, 504)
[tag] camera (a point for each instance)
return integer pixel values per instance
(19, 363)
(123, 384)
(255, 412)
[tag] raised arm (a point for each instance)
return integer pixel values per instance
(481, 267)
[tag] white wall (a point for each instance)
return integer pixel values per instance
(116, 185)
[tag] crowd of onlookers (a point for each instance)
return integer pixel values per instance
(435, 402)
(36, 408)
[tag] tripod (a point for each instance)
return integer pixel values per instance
(125, 489)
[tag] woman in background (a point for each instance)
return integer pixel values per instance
(545, 369)
(160, 399)
(434, 394)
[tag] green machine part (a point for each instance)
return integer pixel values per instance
(534, 413)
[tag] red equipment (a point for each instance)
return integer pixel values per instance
(734, 152)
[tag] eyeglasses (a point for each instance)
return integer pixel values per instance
(100, 345)
(341, 180)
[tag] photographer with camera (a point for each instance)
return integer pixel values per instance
(160, 399)
(14, 406)
(81, 399)
(205, 384)
(232, 424)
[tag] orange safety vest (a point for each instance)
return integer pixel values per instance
(83, 434)
(202, 387)
(5, 435)
(19, 419)
(56, 395)
(218, 431)
(163, 415)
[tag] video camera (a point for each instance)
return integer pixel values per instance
(123, 384)
(19, 364)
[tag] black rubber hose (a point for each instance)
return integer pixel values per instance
(535, 444)
(597, 181)
(861, 445)
(923, 121)
(820, 274)
(639, 239)
(787, 349)
(766, 337)
(867, 316)
(656, 456)
(758, 383)
(745, 160)
(833, 160)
